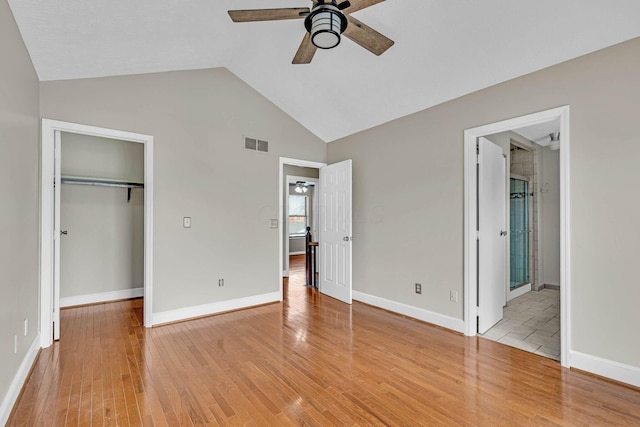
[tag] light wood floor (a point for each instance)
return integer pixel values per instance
(308, 361)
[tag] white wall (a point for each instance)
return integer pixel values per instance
(104, 248)
(199, 120)
(415, 233)
(19, 165)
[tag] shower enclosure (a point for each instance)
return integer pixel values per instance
(519, 235)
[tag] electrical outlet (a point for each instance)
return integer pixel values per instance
(186, 222)
(453, 296)
(418, 288)
(26, 326)
(220, 282)
(15, 344)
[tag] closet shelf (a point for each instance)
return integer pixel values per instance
(102, 182)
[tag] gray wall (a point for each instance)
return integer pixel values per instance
(201, 169)
(19, 166)
(104, 248)
(549, 243)
(415, 233)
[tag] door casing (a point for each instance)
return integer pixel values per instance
(470, 219)
(47, 206)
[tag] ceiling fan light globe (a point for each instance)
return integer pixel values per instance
(325, 39)
(326, 27)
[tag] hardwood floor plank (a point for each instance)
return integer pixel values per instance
(310, 360)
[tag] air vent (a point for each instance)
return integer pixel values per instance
(250, 143)
(256, 145)
(263, 146)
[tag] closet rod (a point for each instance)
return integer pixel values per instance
(99, 182)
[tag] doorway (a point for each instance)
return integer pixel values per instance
(50, 218)
(472, 304)
(334, 227)
(299, 211)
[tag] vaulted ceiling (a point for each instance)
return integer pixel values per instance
(443, 49)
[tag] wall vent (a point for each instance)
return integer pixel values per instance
(256, 145)
(250, 143)
(263, 146)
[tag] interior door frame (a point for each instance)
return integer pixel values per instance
(292, 179)
(470, 219)
(293, 162)
(47, 205)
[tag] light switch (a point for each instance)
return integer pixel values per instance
(186, 222)
(274, 223)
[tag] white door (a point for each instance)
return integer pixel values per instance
(57, 234)
(492, 234)
(335, 231)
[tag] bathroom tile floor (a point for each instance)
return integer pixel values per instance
(531, 322)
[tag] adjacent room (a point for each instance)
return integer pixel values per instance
(363, 212)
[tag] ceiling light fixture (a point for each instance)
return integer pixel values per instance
(554, 144)
(325, 23)
(300, 187)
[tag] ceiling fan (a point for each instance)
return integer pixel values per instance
(324, 22)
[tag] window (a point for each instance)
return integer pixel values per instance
(298, 217)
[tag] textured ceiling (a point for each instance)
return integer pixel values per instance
(443, 49)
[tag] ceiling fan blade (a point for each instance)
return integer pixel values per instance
(268, 14)
(357, 5)
(367, 37)
(305, 52)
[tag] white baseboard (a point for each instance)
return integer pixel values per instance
(411, 311)
(605, 368)
(101, 297)
(18, 381)
(297, 253)
(214, 308)
(519, 291)
(285, 273)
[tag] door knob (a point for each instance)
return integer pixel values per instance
(503, 233)
(65, 232)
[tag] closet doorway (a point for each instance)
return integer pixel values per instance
(97, 195)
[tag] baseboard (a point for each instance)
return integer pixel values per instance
(213, 308)
(411, 311)
(297, 253)
(605, 368)
(285, 273)
(101, 297)
(18, 381)
(548, 286)
(519, 291)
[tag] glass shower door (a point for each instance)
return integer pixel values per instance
(519, 235)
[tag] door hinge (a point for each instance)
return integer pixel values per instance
(477, 311)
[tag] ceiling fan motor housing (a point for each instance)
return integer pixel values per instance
(325, 23)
